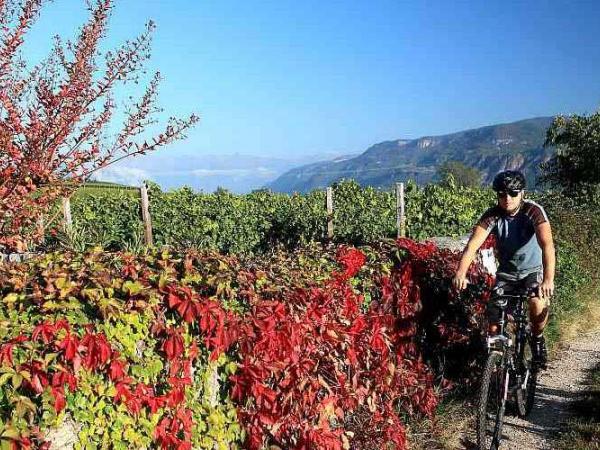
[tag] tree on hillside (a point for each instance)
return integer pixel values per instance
(577, 159)
(462, 174)
(55, 116)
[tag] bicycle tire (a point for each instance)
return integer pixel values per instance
(525, 397)
(491, 403)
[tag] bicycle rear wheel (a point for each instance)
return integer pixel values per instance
(491, 403)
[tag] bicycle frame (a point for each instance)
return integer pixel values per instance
(504, 344)
(502, 341)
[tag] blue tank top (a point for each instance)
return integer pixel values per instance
(519, 253)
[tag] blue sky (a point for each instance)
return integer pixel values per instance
(291, 78)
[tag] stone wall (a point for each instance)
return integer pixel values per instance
(486, 257)
(16, 257)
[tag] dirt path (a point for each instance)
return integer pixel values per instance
(557, 386)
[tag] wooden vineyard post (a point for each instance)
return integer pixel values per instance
(330, 213)
(66, 207)
(400, 212)
(39, 224)
(146, 214)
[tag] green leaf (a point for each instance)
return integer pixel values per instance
(48, 358)
(52, 305)
(132, 288)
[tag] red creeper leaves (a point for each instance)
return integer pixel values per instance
(351, 259)
(173, 344)
(185, 302)
(318, 368)
(313, 361)
(98, 350)
(59, 398)
(175, 431)
(117, 369)
(70, 346)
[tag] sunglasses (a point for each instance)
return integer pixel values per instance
(512, 193)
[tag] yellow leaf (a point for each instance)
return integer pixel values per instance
(133, 288)
(25, 374)
(11, 433)
(92, 294)
(60, 283)
(11, 298)
(4, 378)
(17, 380)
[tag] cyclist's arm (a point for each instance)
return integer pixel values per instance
(543, 233)
(477, 238)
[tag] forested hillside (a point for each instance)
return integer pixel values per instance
(517, 145)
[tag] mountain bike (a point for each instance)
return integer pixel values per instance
(510, 371)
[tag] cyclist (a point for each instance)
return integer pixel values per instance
(525, 251)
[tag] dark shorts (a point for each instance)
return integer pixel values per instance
(511, 286)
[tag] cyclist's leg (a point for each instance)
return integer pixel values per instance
(538, 316)
(538, 307)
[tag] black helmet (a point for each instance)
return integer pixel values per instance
(509, 180)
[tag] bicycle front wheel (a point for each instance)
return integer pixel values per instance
(528, 374)
(491, 403)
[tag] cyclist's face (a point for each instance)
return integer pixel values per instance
(509, 201)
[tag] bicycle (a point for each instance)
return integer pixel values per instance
(509, 371)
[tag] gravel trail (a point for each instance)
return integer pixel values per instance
(557, 386)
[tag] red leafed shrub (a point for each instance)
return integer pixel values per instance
(329, 357)
(54, 116)
(321, 372)
(448, 324)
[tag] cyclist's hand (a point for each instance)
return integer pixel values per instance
(546, 289)
(460, 281)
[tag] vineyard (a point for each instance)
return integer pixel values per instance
(262, 220)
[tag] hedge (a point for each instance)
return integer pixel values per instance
(321, 348)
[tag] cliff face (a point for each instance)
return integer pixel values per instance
(517, 145)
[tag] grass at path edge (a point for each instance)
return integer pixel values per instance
(583, 431)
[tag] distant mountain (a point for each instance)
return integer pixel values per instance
(237, 172)
(517, 145)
